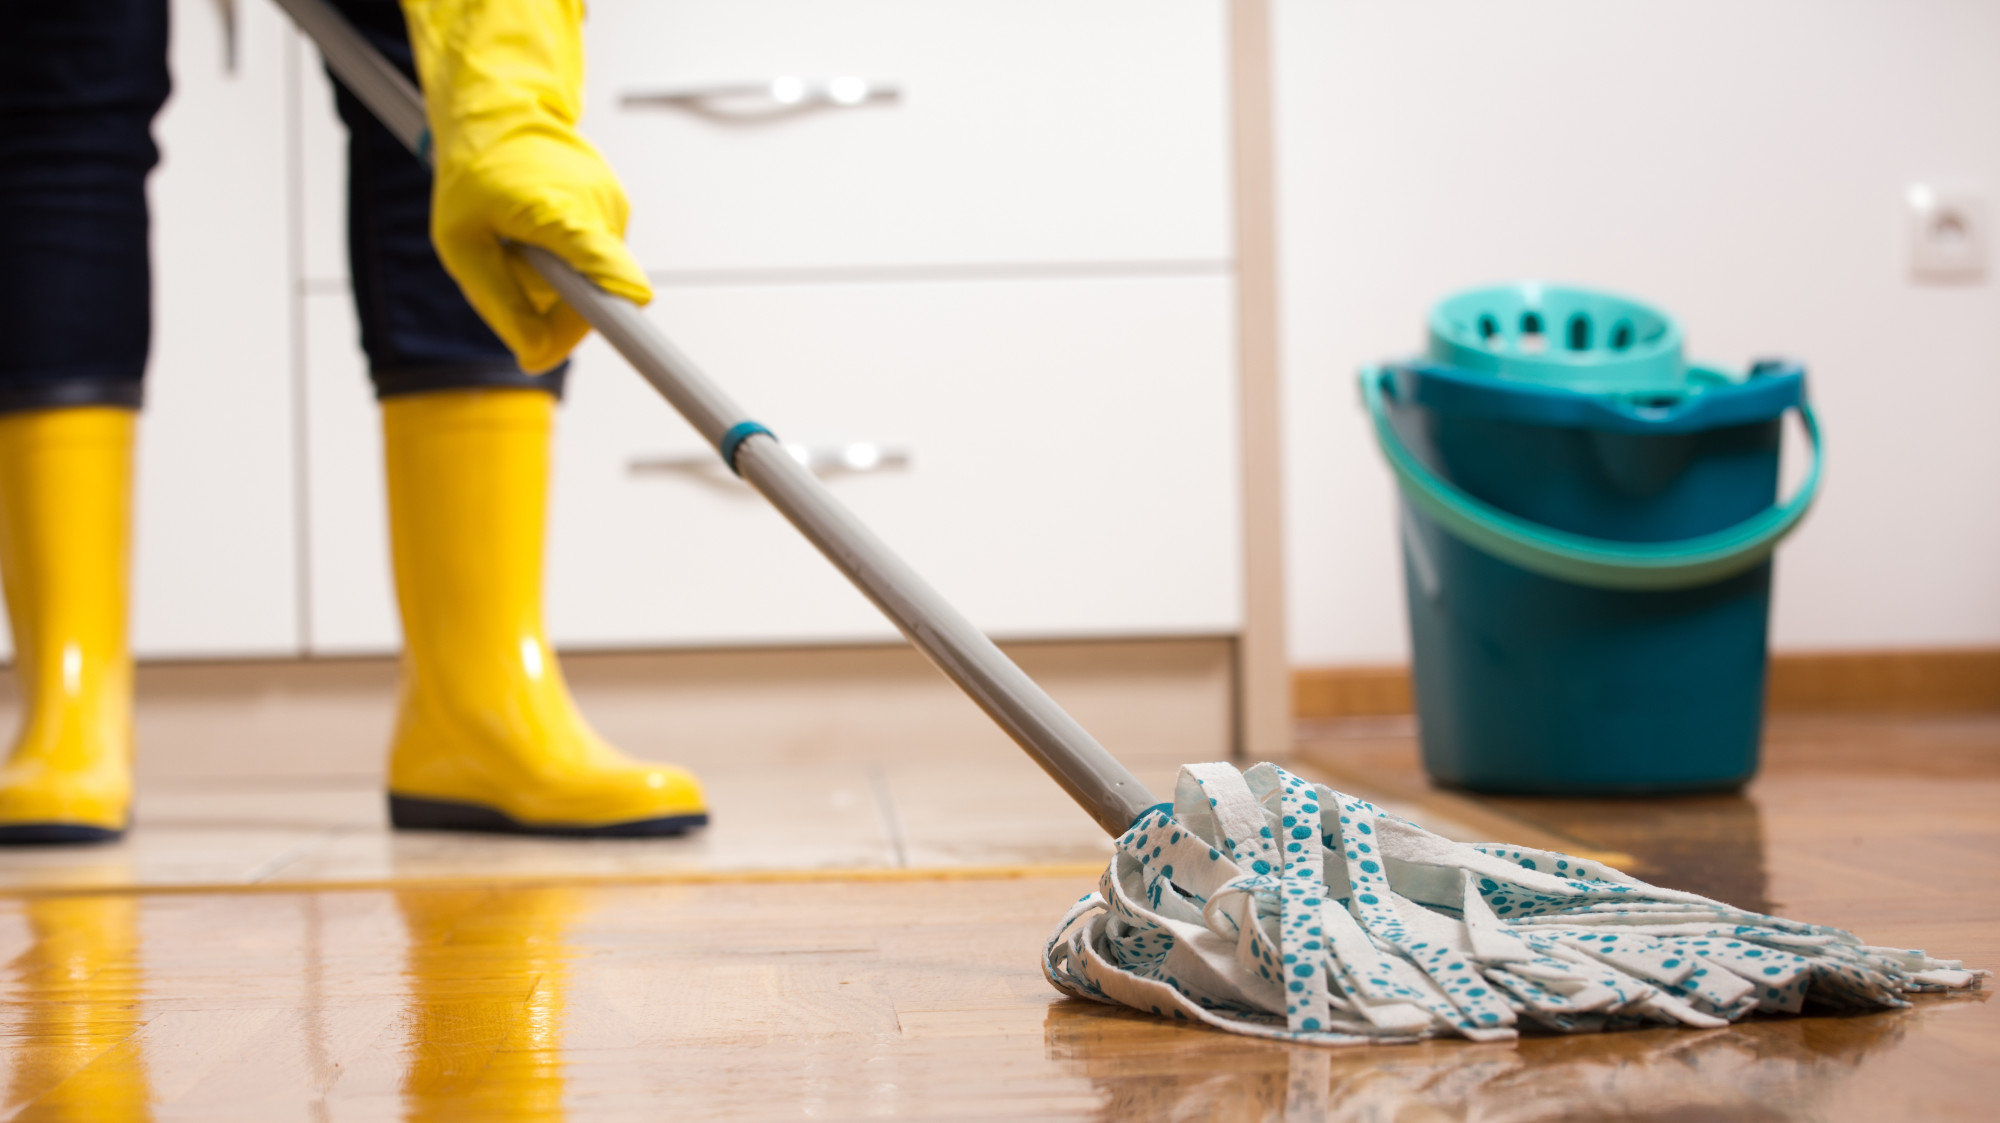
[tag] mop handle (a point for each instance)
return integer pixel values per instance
(1092, 777)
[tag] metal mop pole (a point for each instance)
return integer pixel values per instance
(1091, 776)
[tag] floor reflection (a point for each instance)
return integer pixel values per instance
(487, 973)
(1778, 1069)
(1713, 845)
(1707, 844)
(73, 1011)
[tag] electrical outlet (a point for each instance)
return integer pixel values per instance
(1948, 234)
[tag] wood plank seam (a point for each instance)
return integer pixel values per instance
(596, 880)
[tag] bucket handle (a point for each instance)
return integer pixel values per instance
(1580, 559)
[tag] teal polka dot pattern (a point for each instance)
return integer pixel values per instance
(1268, 905)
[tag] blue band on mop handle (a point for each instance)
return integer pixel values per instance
(734, 438)
(1168, 808)
(424, 147)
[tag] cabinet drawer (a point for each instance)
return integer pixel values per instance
(1071, 463)
(1071, 466)
(1020, 131)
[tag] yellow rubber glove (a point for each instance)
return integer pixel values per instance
(503, 83)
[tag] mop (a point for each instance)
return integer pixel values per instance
(1255, 901)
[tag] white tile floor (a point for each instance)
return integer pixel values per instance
(767, 820)
(815, 760)
(796, 818)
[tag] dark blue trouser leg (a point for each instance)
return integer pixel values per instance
(80, 81)
(80, 84)
(418, 330)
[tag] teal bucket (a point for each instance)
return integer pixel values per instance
(1588, 523)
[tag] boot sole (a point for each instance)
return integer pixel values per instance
(55, 834)
(411, 814)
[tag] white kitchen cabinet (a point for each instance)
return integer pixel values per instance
(321, 199)
(215, 569)
(1017, 275)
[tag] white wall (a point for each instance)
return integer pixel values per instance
(1741, 164)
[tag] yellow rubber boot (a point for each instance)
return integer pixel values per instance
(487, 973)
(77, 997)
(65, 533)
(488, 737)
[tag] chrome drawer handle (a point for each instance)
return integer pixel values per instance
(850, 459)
(779, 97)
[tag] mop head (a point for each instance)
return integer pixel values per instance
(1263, 904)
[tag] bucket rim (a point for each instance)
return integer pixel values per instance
(1577, 558)
(1709, 396)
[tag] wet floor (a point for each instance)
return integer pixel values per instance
(905, 991)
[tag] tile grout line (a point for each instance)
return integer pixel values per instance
(885, 810)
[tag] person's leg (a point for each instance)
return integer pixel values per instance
(487, 737)
(80, 83)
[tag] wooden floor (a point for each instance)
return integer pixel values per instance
(887, 974)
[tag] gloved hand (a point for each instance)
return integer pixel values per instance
(503, 84)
